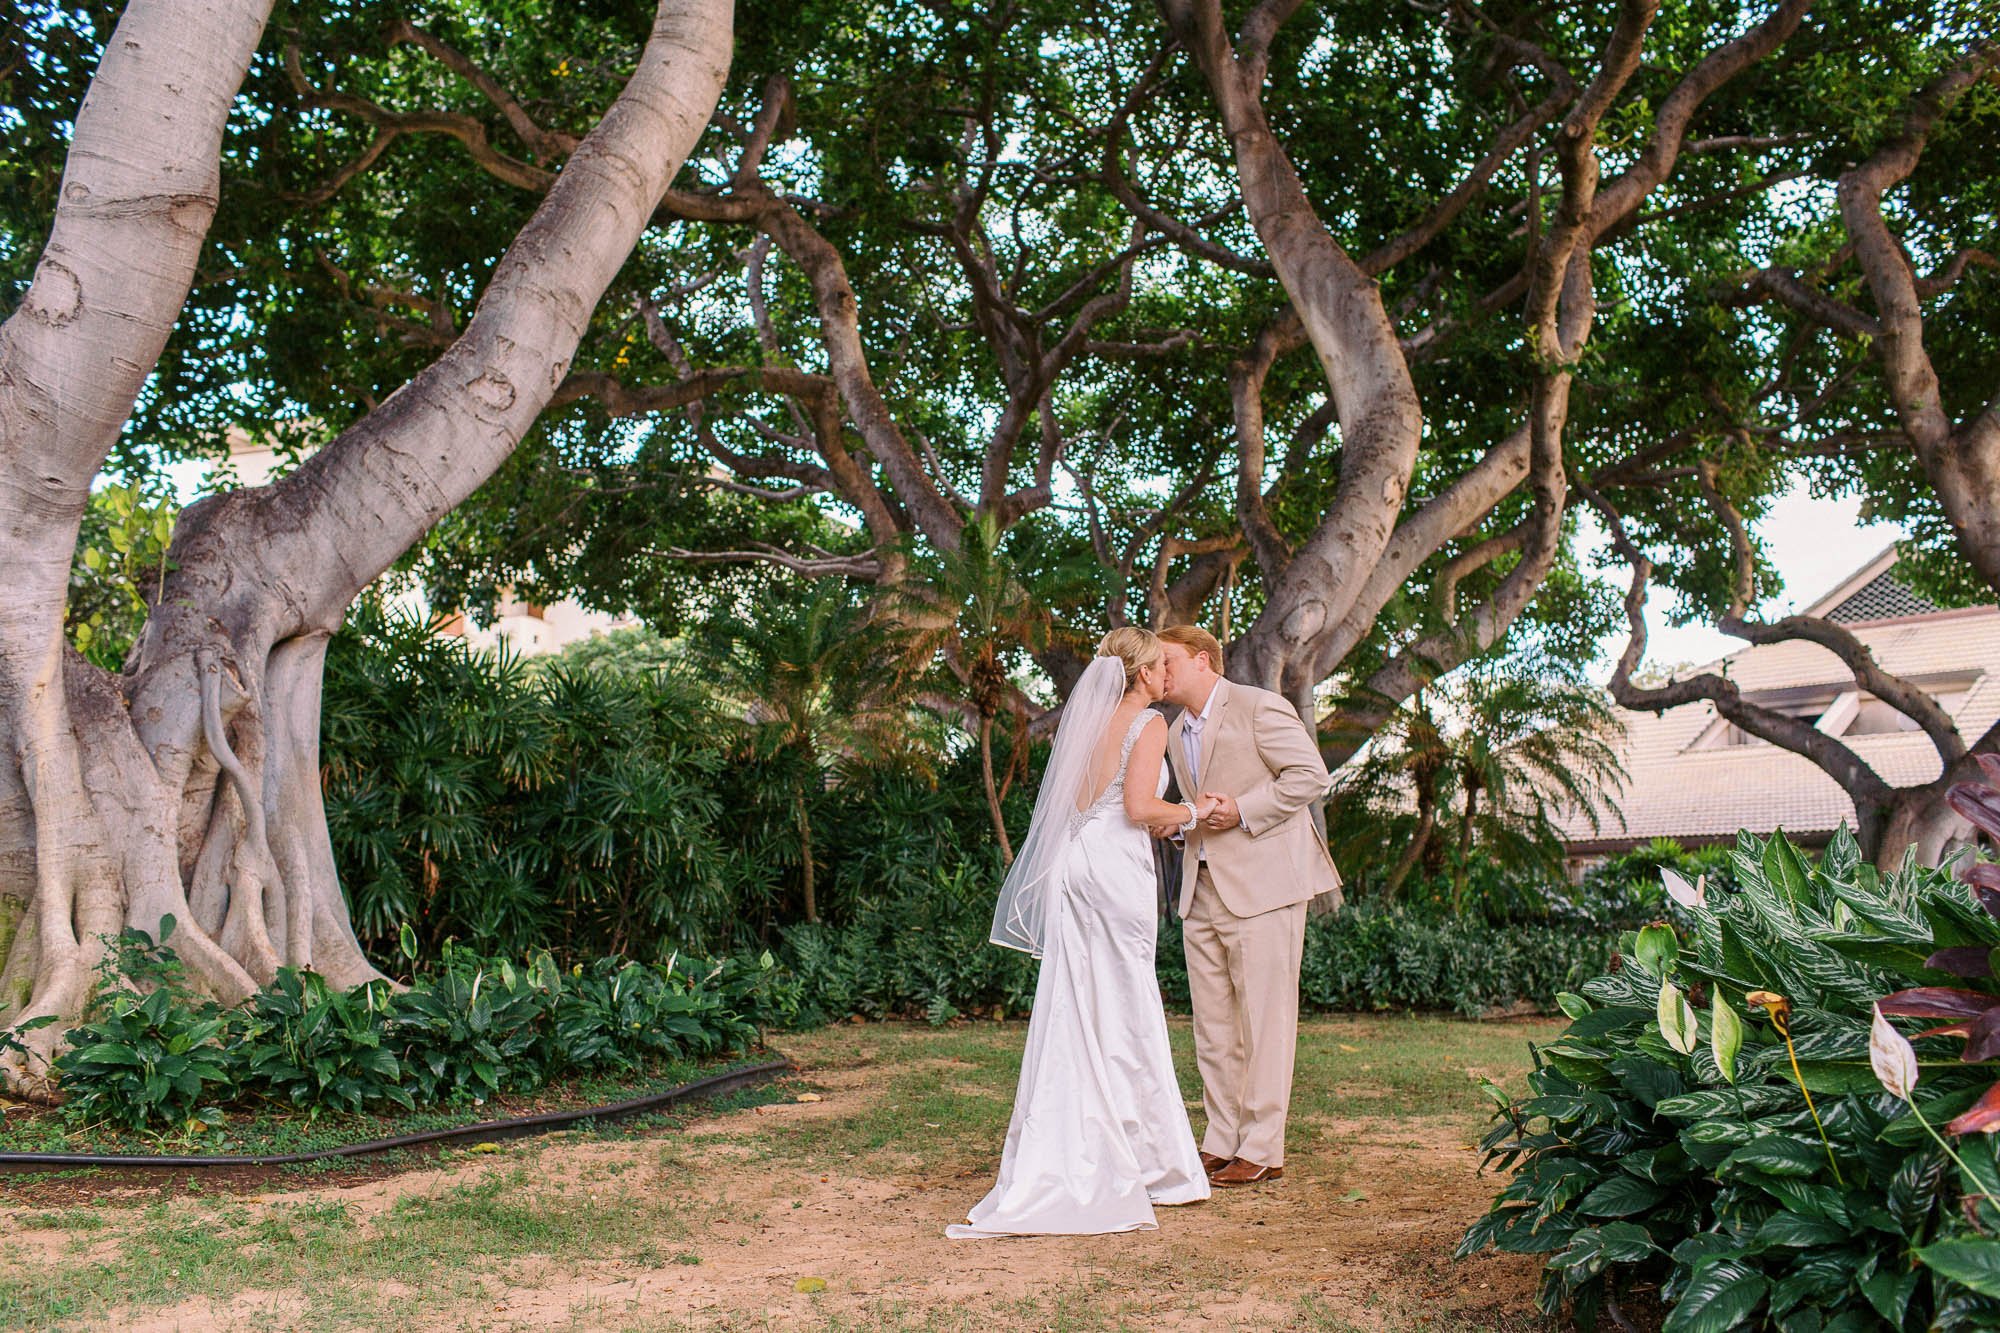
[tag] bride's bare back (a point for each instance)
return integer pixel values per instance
(1108, 754)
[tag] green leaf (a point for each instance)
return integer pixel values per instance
(1780, 1156)
(1725, 1035)
(1790, 1229)
(1594, 1248)
(1786, 873)
(1722, 1295)
(1656, 949)
(1967, 1261)
(108, 1053)
(1603, 1022)
(1718, 1131)
(1711, 1102)
(1889, 1291)
(1838, 1078)
(1620, 1196)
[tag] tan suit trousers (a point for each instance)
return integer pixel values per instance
(1243, 980)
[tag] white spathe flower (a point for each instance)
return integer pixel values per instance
(1677, 1023)
(1687, 895)
(1894, 1059)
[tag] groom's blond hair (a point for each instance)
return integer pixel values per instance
(1196, 640)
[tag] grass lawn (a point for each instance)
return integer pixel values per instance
(821, 1204)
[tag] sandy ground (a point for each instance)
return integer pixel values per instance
(763, 1226)
(1363, 1225)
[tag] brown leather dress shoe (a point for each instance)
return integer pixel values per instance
(1210, 1163)
(1242, 1171)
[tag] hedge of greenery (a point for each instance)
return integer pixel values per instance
(1669, 1137)
(924, 952)
(152, 1056)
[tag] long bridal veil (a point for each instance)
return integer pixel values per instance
(1019, 916)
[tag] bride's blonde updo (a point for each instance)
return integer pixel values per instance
(1137, 648)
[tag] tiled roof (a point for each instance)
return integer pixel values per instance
(1883, 597)
(1677, 792)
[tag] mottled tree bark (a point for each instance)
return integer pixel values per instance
(1323, 597)
(190, 786)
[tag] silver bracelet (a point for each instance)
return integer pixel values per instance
(1194, 816)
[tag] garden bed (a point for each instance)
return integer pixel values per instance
(268, 1131)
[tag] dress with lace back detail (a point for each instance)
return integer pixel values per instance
(1114, 791)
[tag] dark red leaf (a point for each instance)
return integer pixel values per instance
(1978, 803)
(1984, 877)
(1948, 1030)
(1982, 1118)
(1971, 960)
(1990, 763)
(1983, 1041)
(1937, 1002)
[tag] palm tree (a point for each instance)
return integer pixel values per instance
(1494, 753)
(974, 610)
(821, 678)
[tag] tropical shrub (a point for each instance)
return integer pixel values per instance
(1470, 774)
(154, 1056)
(922, 951)
(475, 799)
(1711, 1120)
(1625, 891)
(312, 1047)
(144, 1054)
(601, 804)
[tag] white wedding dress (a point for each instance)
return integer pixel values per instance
(1099, 1133)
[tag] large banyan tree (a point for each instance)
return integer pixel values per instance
(1307, 321)
(1304, 320)
(188, 785)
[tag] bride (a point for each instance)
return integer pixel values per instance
(1099, 1133)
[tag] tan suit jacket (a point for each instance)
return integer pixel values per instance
(1255, 749)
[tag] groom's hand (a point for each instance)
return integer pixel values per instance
(1225, 815)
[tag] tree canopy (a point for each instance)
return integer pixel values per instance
(1314, 322)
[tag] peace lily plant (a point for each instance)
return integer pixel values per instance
(1731, 1122)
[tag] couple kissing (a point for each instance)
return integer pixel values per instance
(1099, 1134)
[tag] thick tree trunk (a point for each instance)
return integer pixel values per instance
(85, 828)
(191, 787)
(1915, 822)
(1341, 314)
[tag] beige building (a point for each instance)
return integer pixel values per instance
(527, 629)
(1697, 779)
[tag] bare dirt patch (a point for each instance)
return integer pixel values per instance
(781, 1216)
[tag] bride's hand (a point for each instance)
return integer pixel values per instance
(1204, 806)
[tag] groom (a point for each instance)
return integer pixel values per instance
(1246, 877)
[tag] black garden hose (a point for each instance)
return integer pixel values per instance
(487, 1131)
